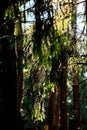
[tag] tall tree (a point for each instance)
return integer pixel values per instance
(76, 100)
(63, 91)
(75, 87)
(19, 64)
(7, 73)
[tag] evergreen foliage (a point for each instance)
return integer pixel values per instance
(47, 62)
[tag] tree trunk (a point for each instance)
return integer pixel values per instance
(51, 110)
(7, 78)
(19, 67)
(35, 126)
(76, 100)
(57, 117)
(63, 90)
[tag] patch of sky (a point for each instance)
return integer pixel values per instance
(28, 5)
(81, 26)
(85, 74)
(28, 8)
(80, 18)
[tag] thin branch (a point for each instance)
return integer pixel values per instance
(72, 89)
(6, 36)
(82, 81)
(78, 63)
(4, 23)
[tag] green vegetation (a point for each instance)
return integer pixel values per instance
(43, 61)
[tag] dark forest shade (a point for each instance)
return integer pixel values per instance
(7, 78)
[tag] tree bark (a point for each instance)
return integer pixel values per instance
(19, 67)
(57, 117)
(76, 100)
(51, 110)
(63, 89)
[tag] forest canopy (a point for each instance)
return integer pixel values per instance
(43, 60)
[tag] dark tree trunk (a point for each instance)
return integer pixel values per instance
(19, 69)
(59, 75)
(35, 126)
(57, 117)
(7, 79)
(63, 89)
(76, 100)
(51, 110)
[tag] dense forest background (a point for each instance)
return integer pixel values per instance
(43, 64)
